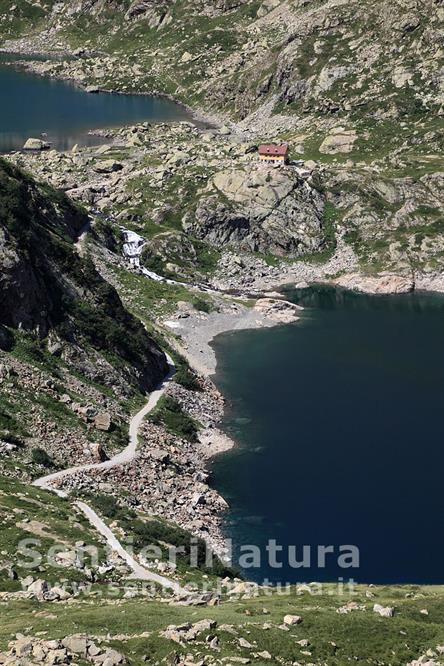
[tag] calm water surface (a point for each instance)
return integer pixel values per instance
(340, 424)
(32, 105)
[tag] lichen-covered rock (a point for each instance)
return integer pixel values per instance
(291, 620)
(340, 141)
(29, 650)
(384, 611)
(184, 633)
(108, 166)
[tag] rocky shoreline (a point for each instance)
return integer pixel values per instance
(200, 239)
(170, 476)
(252, 274)
(197, 330)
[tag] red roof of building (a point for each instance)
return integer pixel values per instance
(273, 150)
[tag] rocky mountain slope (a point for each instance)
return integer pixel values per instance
(30, 229)
(355, 87)
(74, 364)
(46, 287)
(206, 206)
(330, 58)
(71, 356)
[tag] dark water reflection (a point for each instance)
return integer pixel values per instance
(32, 105)
(340, 426)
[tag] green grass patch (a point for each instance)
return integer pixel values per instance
(177, 422)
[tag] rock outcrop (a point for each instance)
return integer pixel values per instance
(32, 650)
(339, 141)
(267, 210)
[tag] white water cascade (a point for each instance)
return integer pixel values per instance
(132, 249)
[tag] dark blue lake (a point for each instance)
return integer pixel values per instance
(32, 105)
(340, 425)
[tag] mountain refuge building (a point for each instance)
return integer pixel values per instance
(270, 152)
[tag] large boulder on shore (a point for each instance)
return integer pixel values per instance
(260, 209)
(36, 144)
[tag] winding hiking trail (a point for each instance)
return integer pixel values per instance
(123, 458)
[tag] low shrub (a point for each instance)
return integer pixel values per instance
(186, 378)
(40, 457)
(202, 305)
(108, 506)
(172, 416)
(191, 551)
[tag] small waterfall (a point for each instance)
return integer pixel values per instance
(132, 247)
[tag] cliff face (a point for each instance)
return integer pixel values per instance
(48, 289)
(260, 210)
(35, 237)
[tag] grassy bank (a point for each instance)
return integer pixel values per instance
(323, 637)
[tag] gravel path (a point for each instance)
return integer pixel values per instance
(126, 456)
(139, 572)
